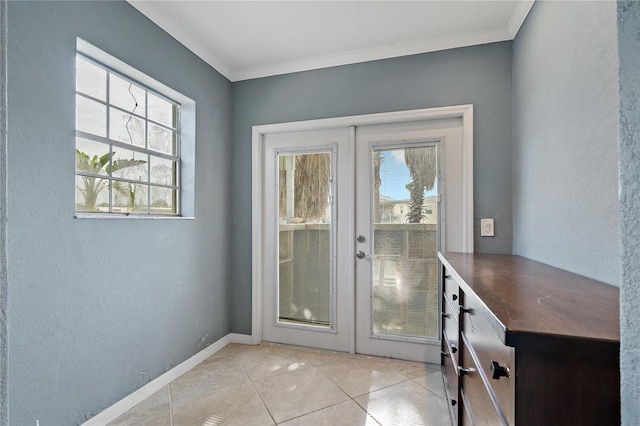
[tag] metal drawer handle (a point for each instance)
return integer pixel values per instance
(445, 354)
(447, 277)
(465, 309)
(444, 315)
(463, 371)
(498, 370)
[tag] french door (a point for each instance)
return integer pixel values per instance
(353, 218)
(399, 222)
(307, 298)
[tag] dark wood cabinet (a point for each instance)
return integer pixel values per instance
(524, 343)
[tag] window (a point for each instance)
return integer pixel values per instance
(128, 144)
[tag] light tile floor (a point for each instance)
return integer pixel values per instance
(278, 384)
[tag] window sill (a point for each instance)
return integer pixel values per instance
(129, 216)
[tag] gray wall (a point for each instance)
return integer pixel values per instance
(81, 337)
(565, 152)
(629, 81)
(3, 212)
(479, 75)
(98, 308)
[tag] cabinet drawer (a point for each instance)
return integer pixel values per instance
(489, 349)
(450, 329)
(465, 416)
(450, 348)
(451, 384)
(450, 287)
(477, 397)
(452, 307)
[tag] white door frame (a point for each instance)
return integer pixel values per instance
(465, 112)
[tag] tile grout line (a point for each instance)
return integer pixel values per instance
(350, 398)
(406, 380)
(300, 354)
(255, 390)
(310, 365)
(429, 390)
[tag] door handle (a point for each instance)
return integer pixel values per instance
(361, 255)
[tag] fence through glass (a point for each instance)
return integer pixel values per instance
(305, 239)
(405, 248)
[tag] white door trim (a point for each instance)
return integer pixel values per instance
(465, 112)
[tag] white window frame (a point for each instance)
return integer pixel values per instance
(185, 136)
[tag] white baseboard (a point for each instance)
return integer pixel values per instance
(243, 339)
(133, 399)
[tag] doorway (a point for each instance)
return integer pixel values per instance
(352, 218)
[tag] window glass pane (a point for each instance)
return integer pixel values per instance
(126, 95)
(129, 197)
(163, 200)
(163, 171)
(162, 140)
(126, 128)
(91, 116)
(161, 111)
(91, 157)
(91, 79)
(92, 194)
(129, 164)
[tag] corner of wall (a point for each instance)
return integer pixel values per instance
(629, 208)
(3, 213)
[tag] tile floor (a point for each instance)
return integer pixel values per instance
(277, 384)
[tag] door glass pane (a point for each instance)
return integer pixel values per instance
(405, 272)
(305, 239)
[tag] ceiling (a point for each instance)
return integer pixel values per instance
(251, 39)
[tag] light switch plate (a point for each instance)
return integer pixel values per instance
(486, 227)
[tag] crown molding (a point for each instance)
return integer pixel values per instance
(372, 54)
(519, 15)
(148, 9)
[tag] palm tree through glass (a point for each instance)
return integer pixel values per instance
(305, 239)
(404, 263)
(405, 272)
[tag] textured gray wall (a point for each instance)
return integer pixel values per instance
(98, 308)
(629, 80)
(3, 212)
(565, 152)
(479, 75)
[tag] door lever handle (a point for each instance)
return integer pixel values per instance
(361, 255)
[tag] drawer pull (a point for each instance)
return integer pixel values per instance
(464, 309)
(447, 277)
(454, 349)
(463, 371)
(444, 315)
(443, 353)
(454, 296)
(498, 370)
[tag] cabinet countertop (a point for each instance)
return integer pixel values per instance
(531, 299)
